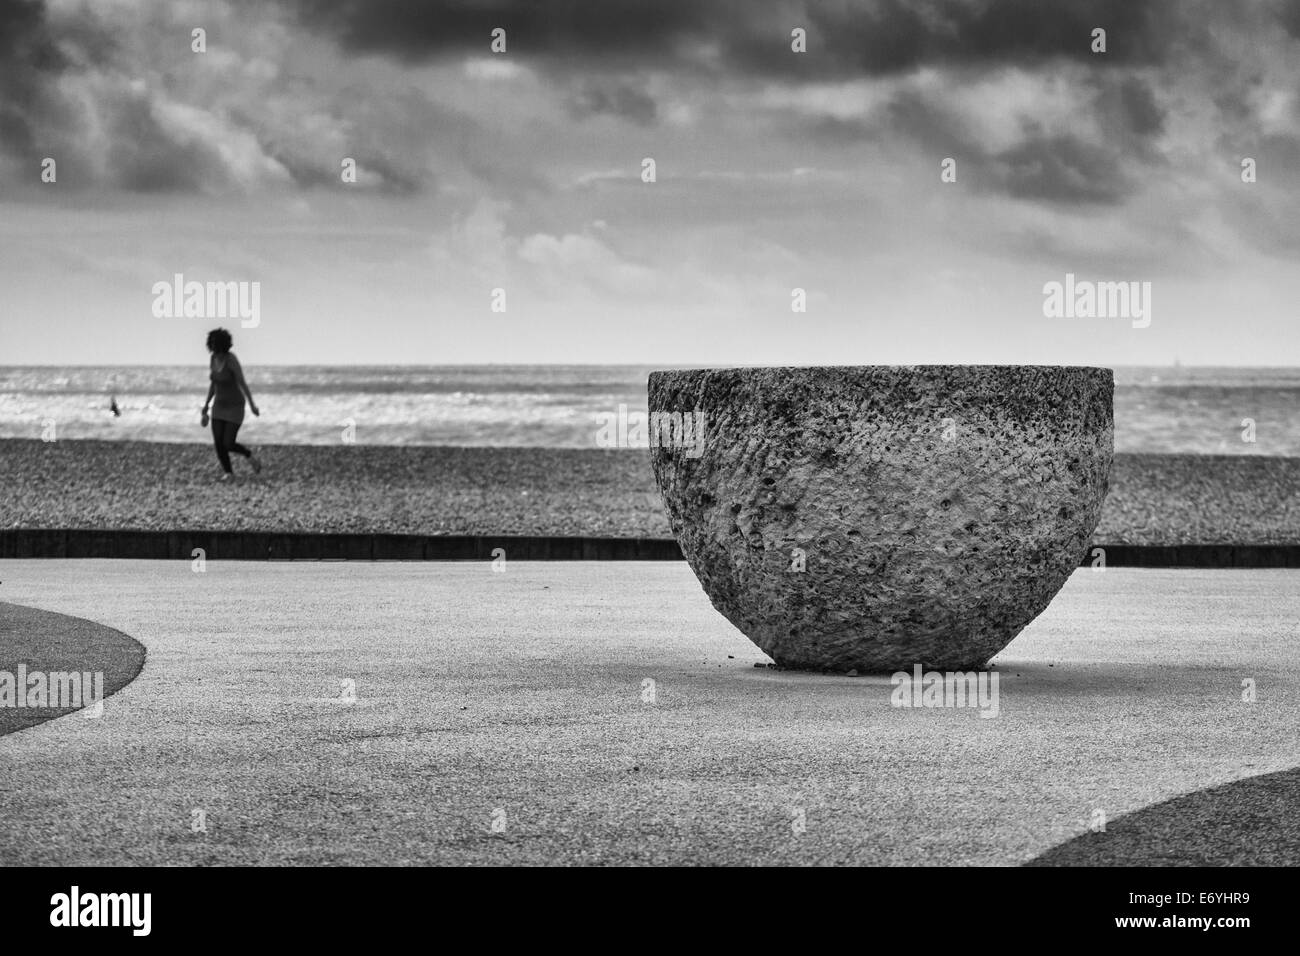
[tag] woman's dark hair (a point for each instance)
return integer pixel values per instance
(219, 341)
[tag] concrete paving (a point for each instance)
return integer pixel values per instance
(507, 718)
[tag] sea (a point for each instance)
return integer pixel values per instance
(1187, 410)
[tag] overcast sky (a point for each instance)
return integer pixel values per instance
(775, 170)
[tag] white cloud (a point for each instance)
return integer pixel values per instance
(584, 261)
(495, 68)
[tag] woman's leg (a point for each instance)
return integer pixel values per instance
(219, 440)
(232, 429)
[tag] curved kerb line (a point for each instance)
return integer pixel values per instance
(1254, 821)
(53, 642)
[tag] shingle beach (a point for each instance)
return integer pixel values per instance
(1153, 499)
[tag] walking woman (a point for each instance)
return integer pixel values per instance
(230, 389)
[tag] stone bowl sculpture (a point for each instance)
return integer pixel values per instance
(875, 518)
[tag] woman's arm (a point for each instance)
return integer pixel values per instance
(243, 385)
(212, 390)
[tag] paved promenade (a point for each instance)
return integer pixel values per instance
(520, 701)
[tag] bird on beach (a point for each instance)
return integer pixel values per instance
(112, 404)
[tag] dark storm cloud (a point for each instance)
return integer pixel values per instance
(891, 36)
(1290, 16)
(594, 58)
(614, 98)
(25, 40)
(1061, 169)
(1137, 103)
(560, 29)
(28, 59)
(753, 36)
(147, 160)
(393, 177)
(846, 40)
(373, 171)
(35, 121)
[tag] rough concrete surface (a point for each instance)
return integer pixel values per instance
(525, 692)
(873, 518)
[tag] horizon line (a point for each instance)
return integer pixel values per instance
(665, 365)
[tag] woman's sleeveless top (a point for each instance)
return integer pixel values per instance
(228, 400)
